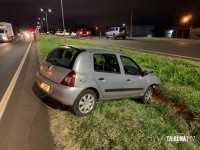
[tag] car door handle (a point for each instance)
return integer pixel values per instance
(128, 80)
(101, 79)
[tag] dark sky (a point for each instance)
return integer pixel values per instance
(100, 13)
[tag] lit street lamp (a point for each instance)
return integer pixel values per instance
(98, 29)
(41, 23)
(39, 27)
(185, 20)
(49, 10)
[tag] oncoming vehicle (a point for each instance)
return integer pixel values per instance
(80, 77)
(61, 33)
(116, 32)
(6, 32)
(73, 34)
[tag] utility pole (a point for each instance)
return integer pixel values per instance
(131, 25)
(46, 11)
(63, 19)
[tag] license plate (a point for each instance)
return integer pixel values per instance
(45, 87)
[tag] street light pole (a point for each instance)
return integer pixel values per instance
(63, 19)
(49, 10)
(186, 20)
(47, 22)
(40, 30)
(131, 27)
(41, 24)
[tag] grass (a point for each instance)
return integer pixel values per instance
(127, 124)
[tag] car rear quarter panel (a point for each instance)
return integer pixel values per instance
(84, 78)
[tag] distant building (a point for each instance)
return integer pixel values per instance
(195, 33)
(186, 33)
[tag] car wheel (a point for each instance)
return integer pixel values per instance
(124, 38)
(106, 37)
(115, 37)
(85, 103)
(147, 95)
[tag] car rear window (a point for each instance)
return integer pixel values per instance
(63, 57)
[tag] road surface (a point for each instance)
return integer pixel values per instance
(24, 124)
(188, 50)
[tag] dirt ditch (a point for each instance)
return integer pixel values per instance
(179, 110)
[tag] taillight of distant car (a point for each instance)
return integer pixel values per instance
(69, 80)
(81, 32)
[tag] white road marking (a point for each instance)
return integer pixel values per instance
(11, 86)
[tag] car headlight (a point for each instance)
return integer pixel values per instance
(4, 38)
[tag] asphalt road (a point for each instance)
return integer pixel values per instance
(25, 121)
(178, 48)
(11, 55)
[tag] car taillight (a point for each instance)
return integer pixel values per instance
(69, 80)
(81, 32)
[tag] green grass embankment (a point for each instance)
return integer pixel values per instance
(127, 124)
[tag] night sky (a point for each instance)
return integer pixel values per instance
(101, 13)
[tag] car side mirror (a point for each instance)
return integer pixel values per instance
(144, 72)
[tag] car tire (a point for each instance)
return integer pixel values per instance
(124, 38)
(114, 36)
(106, 37)
(146, 98)
(85, 103)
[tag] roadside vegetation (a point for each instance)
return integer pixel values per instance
(127, 124)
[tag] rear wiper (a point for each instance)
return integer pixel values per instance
(54, 62)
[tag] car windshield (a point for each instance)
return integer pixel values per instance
(1, 31)
(63, 57)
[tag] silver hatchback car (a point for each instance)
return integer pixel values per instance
(80, 77)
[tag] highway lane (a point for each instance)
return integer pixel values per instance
(11, 55)
(25, 121)
(185, 49)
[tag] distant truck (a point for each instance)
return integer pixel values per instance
(6, 32)
(116, 32)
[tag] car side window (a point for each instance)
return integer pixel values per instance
(130, 67)
(106, 63)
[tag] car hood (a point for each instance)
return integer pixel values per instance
(152, 79)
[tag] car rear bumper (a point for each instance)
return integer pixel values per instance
(64, 94)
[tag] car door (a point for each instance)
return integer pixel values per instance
(111, 32)
(107, 75)
(134, 83)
